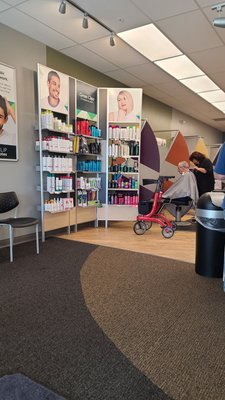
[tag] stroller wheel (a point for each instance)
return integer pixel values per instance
(148, 225)
(139, 228)
(167, 232)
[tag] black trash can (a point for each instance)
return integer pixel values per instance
(210, 235)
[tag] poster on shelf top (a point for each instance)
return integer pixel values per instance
(86, 101)
(53, 90)
(8, 114)
(125, 105)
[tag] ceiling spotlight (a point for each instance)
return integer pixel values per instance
(62, 7)
(112, 41)
(218, 7)
(219, 22)
(85, 21)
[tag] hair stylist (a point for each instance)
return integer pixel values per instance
(203, 170)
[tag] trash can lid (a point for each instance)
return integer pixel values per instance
(217, 198)
(209, 213)
(211, 201)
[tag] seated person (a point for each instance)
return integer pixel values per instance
(185, 188)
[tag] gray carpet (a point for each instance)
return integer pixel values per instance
(91, 322)
(48, 334)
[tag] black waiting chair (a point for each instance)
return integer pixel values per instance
(9, 201)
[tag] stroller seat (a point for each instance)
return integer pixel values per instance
(178, 207)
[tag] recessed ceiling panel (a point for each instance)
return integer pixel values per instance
(213, 96)
(89, 58)
(180, 67)
(150, 42)
(199, 84)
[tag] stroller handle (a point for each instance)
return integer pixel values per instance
(165, 178)
(160, 179)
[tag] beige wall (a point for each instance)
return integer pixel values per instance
(192, 127)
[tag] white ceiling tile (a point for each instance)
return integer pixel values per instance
(117, 15)
(154, 92)
(121, 54)
(159, 9)
(176, 89)
(125, 78)
(30, 27)
(69, 24)
(211, 60)
(218, 78)
(149, 73)
(14, 2)
(205, 3)
(3, 6)
(89, 58)
(190, 32)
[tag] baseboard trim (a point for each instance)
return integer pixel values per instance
(18, 240)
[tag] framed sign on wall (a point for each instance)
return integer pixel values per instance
(8, 114)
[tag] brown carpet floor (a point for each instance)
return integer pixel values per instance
(167, 320)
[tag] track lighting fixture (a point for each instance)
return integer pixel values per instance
(85, 21)
(62, 7)
(219, 22)
(86, 16)
(112, 41)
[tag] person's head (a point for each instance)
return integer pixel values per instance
(125, 101)
(183, 167)
(196, 157)
(53, 86)
(3, 112)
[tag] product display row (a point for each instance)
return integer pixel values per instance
(124, 133)
(76, 143)
(123, 149)
(122, 182)
(123, 199)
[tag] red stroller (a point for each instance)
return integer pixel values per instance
(150, 211)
